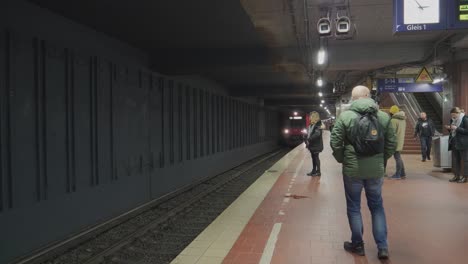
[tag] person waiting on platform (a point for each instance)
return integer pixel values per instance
(425, 130)
(363, 137)
(399, 123)
(458, 144)
(314, 142)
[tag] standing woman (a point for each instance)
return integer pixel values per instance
(458, 144)
(314, 142)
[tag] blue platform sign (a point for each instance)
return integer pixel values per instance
(429, 15)
(420, 15)
(406, 85)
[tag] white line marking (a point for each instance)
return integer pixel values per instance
(286, 200)
(271, 244)
(281, 212)
(288, 194)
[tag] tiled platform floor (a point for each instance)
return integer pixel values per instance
(427, 218)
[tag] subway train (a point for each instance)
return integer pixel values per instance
(294, 128)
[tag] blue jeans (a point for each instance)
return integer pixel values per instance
(426, 143)
(400, 167)
(373, 189)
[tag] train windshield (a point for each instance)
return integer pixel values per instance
(296, 122)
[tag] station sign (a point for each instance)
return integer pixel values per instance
(406, 85)
(429, 15)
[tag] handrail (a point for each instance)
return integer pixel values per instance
(410, 111)
(438, 98)
(411, 106)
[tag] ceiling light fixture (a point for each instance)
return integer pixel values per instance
(320, 94)
(319, 82)
(321, 55)
(321, 105)
(323, 101)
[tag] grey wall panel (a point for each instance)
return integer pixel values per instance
(155, 135)
(201, 121)
(163, 119)
(166, 124)
(188, 128)
(54, 80)
(104, 120)
(195, 123)
(80, 146)
(3, 91)
(182, 126)
(208, 123)
(213, 124)
(19, 126)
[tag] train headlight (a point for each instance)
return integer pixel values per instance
(286, 131)
(304, 131)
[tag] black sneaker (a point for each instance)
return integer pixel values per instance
(428, 158)
(312, 173)
(383, 253)
(357, 249)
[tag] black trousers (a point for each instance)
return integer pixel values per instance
(315, 161)
(460, 162)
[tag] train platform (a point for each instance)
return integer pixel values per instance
(288, 217)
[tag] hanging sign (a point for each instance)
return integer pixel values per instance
(428, 15)
(406, 85)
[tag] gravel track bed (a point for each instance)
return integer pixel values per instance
(162, 243)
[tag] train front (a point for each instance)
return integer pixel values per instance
(294, 129)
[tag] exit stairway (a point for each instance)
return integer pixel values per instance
(430, 109)
(411, 146)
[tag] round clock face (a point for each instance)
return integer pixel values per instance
(421, 11)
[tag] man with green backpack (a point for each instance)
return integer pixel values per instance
(362, 139)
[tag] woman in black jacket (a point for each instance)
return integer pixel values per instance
(314, 142)
(458, 144)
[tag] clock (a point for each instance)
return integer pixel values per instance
(421, 12)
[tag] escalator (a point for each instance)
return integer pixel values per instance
(428, 104)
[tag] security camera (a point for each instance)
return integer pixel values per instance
(343, 25)
(324, 26)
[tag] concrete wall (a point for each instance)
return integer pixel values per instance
(88, 132)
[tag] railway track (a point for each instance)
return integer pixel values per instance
(160, 233)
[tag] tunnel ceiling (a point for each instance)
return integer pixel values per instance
(254, 47)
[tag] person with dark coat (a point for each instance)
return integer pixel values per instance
(363, 172)
(314, 142)
(458, 144)
(425, 130)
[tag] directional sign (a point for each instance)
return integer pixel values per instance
(406, 85)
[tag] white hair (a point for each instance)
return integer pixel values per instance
(359, 92)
